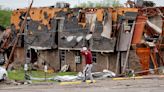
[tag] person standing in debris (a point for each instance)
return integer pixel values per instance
(88, 61)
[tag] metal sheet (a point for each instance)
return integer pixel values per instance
(123, 39)
(91, 20)
(107, 26)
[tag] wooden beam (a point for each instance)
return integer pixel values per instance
(18, 35)
(127, 54)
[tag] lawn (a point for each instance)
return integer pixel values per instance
(19, 74)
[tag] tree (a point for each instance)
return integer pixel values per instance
(104, 3)
(5, 17)
(82, 5)
(98, 5)
(90, 4)
(116, 4)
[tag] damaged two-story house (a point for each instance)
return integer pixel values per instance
(55, 36)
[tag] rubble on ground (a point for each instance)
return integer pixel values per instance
(96, 75)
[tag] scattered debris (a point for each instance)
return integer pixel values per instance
(40, 79)
(96, 75)
(65, 78)
(16, 82)
(64, 68)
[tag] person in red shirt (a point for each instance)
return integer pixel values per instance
(88, 61)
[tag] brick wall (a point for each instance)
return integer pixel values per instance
(18, 58)
(51, 57)
(70, 60)
(104, 61)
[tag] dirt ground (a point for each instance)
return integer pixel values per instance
(107, 85)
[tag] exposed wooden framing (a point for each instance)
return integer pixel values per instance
(18, 35)
(127, 54)
(153, 58)
(117, 62)
(159, 44)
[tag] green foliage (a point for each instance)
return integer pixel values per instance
(104, 3)
(5, 17)
(41, 74)
(66, 73)
(19, 74)
(116, 4)
(16, 75)
(84, 5)
(98, 5)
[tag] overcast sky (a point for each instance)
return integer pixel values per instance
(13, 4)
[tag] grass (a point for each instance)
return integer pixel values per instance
(16, 75)
(41, 74)
(5, 17)
(66, 73)
(19, 74)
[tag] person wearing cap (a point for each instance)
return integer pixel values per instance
(88, 61)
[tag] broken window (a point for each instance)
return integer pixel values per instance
(81, 18)
(77, 57)
(59, 24)
(128, 25)
(62, 54)
(34, 55)
(94, 57)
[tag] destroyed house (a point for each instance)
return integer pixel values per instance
(55, 36)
